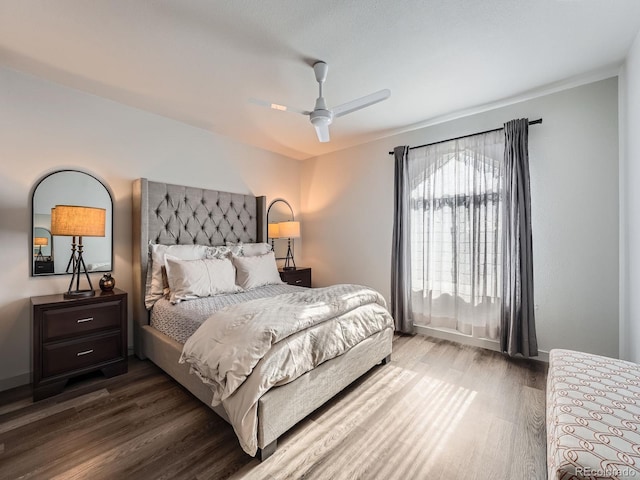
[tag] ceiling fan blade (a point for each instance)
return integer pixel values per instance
(277, 106)
(323, 133)
(361, 102)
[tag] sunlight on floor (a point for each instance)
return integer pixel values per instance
(364, 422)
(435, 409)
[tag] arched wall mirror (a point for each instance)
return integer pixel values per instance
(51, 253)
(279, 211)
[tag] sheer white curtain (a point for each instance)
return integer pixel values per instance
(455, 231)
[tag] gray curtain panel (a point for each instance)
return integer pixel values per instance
(517, 329)
(400, 255)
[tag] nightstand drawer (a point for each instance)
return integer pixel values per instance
(43, 267)
(80, 320)
(300, 277)
(68, 356)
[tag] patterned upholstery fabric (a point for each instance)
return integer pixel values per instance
(184, 215)
(593, 417)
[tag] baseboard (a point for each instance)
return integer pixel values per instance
(13, 382)
(446, 334)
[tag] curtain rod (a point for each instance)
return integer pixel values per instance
(532, 122)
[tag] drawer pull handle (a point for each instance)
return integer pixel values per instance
(86, 352)
(82, 320)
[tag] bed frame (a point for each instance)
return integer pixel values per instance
(173, 214)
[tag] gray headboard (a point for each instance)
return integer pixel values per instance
(178, 215)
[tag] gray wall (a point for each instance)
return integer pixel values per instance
(46, 127)
(347, 201)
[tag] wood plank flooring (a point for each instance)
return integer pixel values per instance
(439, 410)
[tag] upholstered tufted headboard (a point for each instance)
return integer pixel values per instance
(174, 214)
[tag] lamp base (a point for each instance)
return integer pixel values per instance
(79, 293)
(289, 258)
(78, 269)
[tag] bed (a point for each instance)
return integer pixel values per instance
(167, 214)
(593, 415)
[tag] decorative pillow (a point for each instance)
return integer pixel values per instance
(256, 271)
(251, 249)
(223, 251)
(190, 279)
(157, 285)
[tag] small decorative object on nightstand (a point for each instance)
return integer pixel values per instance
(300, 277)
(76, 336)
(107, 282)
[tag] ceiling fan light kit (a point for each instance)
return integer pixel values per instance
(322, 116)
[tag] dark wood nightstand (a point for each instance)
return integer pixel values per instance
(44, 266)
(76, 336)
(301, 277)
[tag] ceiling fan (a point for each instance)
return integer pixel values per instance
(322, 116)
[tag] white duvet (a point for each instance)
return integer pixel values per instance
(271, 341)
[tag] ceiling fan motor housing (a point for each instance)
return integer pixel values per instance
(321, 117)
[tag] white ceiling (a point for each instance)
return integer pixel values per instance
(200, 61)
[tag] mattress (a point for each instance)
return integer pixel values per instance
(593, 417)
(180, 321)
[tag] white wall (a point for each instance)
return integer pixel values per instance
(45, 127)
(630, 199)
(347, 202)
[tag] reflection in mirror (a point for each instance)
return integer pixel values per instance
(279, 211)
(69, 187)
(42, 243)
(42, 247)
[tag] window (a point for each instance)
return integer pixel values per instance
(455, 234)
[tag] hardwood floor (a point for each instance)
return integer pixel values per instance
(439, 410)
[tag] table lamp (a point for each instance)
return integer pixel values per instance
(40, 242)
(77, 221)
(289, 230)
(273, 232)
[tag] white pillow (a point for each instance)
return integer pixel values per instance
(190, 279)
(256, 271)
(251, 249)
(157, 285)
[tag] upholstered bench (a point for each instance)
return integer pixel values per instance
(593, 417)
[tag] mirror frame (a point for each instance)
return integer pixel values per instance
(31, 233)
(293, 248)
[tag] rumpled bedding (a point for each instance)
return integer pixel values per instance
(269, 342)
